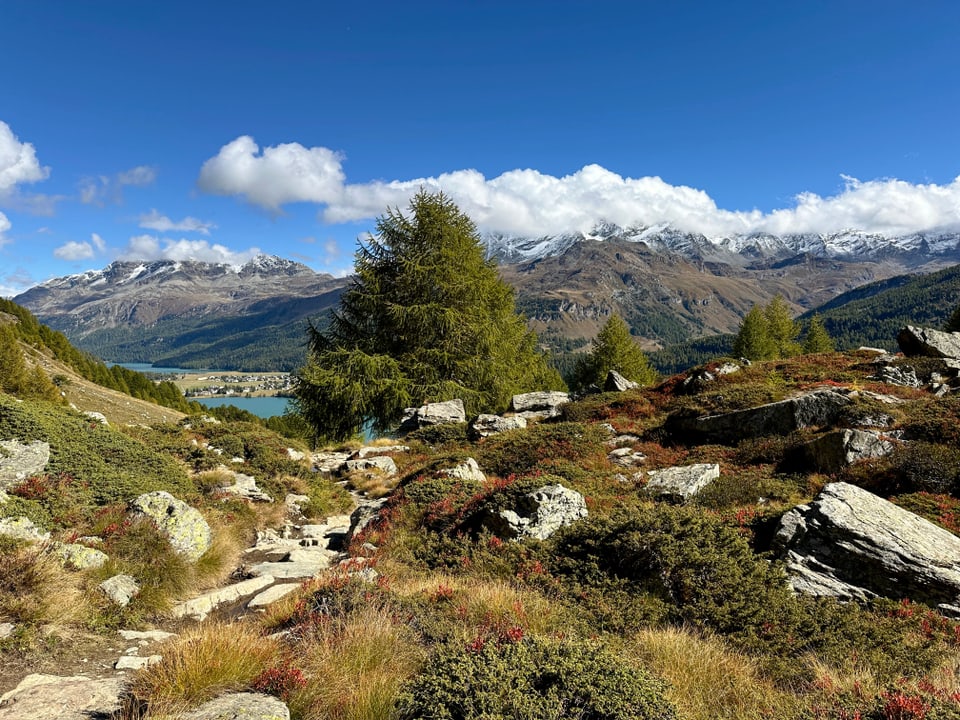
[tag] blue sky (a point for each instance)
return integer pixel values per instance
(213, 130)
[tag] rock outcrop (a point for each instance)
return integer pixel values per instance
(188, 532)
(679, 484)
(244, 486)
(22, 528)
(18, 461)
(616, 382)
(539, 514)
(468, 471)
(439, 413)
(851, 544)
(814, 409)
(539, 405)
(487, 425)
(120, 589)
(926, 342)
(837, 449)
(240, 706)
(44, 697)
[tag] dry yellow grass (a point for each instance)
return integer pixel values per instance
(708, 680)
(36, 589)
(354, 667)
(205, 661)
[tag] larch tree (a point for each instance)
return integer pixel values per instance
(753, 340)
(817, 339)
(614, 349)
(427, 318)
(782, 328)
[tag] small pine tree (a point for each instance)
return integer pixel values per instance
(818, 340)
(781, 327)
(13, 369)
(614, 349)
(753, 340)
(953, 324)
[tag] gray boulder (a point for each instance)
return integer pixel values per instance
(539, 404)
(839, 448)
(679, 484)
(244, 486)
(44, 697)
(850, 544)
(22, 528)
(539, 514)
(903, 376)
(487, 425)
(439, 413)
(240, 706)
(330, 462)
(18, 461)
(120, 589)
(79, 557)
(927, 342)
(364, 515)
(370, 450)
(378, 463)
(616, 382)
(468, 471)
(184, 526)
(814, 409)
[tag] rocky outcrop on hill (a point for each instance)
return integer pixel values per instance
(837, 449)
(536, 405)
(487, 425)
(539, 514)
(850, 544)
(439, 413)
(188, 532)
(468, 471)
(240, 706)
(616, 382)
(927, 342)
(815, 409)
(18, 461)
(679, 484)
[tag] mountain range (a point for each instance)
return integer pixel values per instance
(669, 285)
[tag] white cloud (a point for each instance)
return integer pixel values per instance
(74, 250)
(98, 242)
(161, 223)
(528, 202)
(14, 283)
(101, 189)
(279, 175)
(4, 226)
(150, 247)
(18, 161)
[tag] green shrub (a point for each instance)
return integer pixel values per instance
(521, 451)
(605, 406)
(532, 679)
(435, 435)
(933, 420)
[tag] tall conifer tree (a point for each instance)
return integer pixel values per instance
(817, 340)
(753, 340)
(614, 349)
(781, 327)
(427, 318)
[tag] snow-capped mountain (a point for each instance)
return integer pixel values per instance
(847, 244)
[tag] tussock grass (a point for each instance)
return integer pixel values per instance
(35, 589)
(204, 662)
(355, 667)
(707, 680)
(373, 483)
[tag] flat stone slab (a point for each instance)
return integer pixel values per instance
(51, 697)
(271, 595)
(682, 482)
(136, 662)
(240, 706)
(18, 461)
(143, 637)
(199, 607)
(288, 570)
(547, 401)
(850, 544)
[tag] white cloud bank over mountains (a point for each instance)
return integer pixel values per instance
(149, 247)
(531, 203)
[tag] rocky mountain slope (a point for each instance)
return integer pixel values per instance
(189, 313)
(669, 285)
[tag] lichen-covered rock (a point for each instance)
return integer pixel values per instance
(439, 413)
(378, 463)
(850, 544)
(120, 589)
(188, 532)
(18, 461)
(927, 342)
(22, 528)
(681, 483)
(539, 514)
(839, 448)
(468, 471)
(487, 425)
(80, 557)
(370, 450)
(240, 706)
(244, 486)
(51, 697)
(364, 514)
